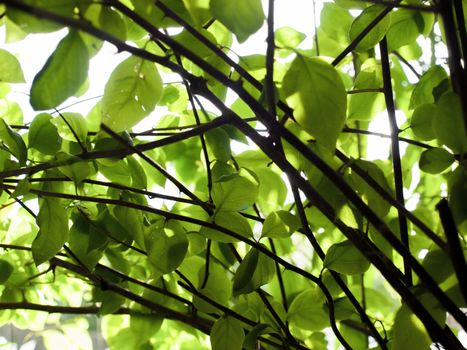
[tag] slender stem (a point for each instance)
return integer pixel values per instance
(455, 249)
(206, 266)
(458, 71)
(75, 135)
(319, 251)
(372, 133)
(52, 309)
(396, 157)
(194, 321)
(159, 168)
(363, 33)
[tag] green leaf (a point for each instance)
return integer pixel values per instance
(423, 91)
(62, 75)
(53, 230)
(376, 34)
(43, 135)
(366, 105)
(457, 191)
(287, 37)
(235, 194)
(77, 171)
(13, 141)
(242, 17)
(422, 121)
(145, 326)
(10, 68)
(255, 270)
(131, 93)
(403, 30)
(166, 246)
(132, 221)
(280, 224)
(409, 332)
(6, 269)
(219, 143)
(250, 342)
(448, 123)
(218, 287)
(307, 310)
(227, 334)
(198, 10)
(435, 160)
(111, 22)
(75, 126)
(315, 91)
(345, 258)
(373, 199)
(230, 220)
(438, 264)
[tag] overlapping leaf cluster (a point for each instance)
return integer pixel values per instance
(298, 237)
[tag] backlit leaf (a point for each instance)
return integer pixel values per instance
(131, 93)
(10, 68)
(315, 91)
(227, 334)
(242, 17)
(435, 160)
(376, 34)
(43, 135)
(53, 230)
(62, 75)
(345, 258)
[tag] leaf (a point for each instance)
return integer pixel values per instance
(307, 310)
(236, 194)
(280, 224)
(287, 37)
(250, 342)
(145, 326)
(43, 135)
(112, 22)
(422, 121)
(409, 332)
(62, 75)
(242, 17)
(218, 287)
(227, 334)
(423, 91)
(255, 270)
(374, 200)
(10, 68)
(345, 258)
(53, 230)
(6, 269)
(315, 91)
(229, 220)
(448, 123)
(13, 141)
(199, 10)
(457, 190)
(75, 126)
(131, 93)
(219, 143)
(403, 30)
(438, 264)
(376, 34)
(366, 105)
(166, 246)
(435, 160)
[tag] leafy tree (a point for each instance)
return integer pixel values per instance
(299, 236)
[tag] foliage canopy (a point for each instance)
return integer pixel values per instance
(210, 195)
